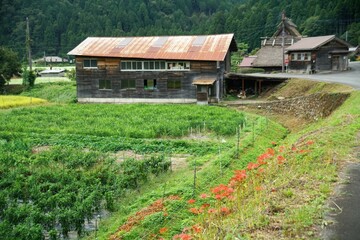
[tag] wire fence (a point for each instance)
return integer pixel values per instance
(246, 136)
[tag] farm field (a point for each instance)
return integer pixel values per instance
(63, 165)
(16, 101)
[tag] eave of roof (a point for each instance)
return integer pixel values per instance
(311, 43)
(201, 47)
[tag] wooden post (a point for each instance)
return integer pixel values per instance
(28, 43)
(243, 85)
(260, 86)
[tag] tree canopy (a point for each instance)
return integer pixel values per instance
(9, 65)
(58, 26)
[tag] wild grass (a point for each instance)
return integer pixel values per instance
(57, 92)
(17, 101)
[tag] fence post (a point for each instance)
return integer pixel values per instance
(253, 132)
(194, 179)
(238, 142)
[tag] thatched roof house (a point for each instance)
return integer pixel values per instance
(270, 55)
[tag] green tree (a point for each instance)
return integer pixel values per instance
(354, 34)
(9, 65)
(28, 77)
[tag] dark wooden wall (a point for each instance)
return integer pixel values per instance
(322, 60)
(109, 69)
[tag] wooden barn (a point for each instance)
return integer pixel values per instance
(316, 54)
(158, 69)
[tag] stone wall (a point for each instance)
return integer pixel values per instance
(311, 107)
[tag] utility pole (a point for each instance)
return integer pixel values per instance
(28, 41)
(283, 40)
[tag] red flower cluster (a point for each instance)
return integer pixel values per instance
(191, 201)
(281, 159)
(182, 236)
(252, 166)
(222, 191)
(225, 211)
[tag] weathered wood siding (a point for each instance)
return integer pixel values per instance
(109, 69)
(323, 58)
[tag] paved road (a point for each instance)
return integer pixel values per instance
(351, 77)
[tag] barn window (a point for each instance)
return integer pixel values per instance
(178, 65)
(150, 84)
(174, 84)
(127, 83)
(90, 63)
(105, 84)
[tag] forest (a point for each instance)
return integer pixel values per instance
(58, 26)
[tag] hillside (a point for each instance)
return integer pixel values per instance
(58, 26)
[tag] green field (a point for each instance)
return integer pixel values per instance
(59, 166)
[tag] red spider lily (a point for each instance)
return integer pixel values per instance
(259, 188)
(261, 159)
(205, 205)
(273, 143)
(293, 148)
(222, 191)
(225, 211)
(239, 176)
(281, 159)
(203, 195)
(191, 201)
(212, 210)
(271, 151)
(304, 151)
(195, 210)
(196, 228)
(260, 171)
(252, 165)
(182, 236)
(163, 230)
(310, 142)
(281, 149)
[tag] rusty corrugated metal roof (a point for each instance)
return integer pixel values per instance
(201, 47)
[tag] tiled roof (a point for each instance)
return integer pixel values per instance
(311, 43)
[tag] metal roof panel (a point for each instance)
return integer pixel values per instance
(203, 47)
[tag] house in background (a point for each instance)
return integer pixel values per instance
(51, 60)
(247, 62)
(158, 69)
(314, 54)
(270, 55)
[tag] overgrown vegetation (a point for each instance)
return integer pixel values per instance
(58, 92)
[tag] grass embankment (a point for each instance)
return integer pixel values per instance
(277, 193)
(287, 201)
(17, 101)
(57, 92)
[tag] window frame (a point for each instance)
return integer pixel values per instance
(90, 63)
(173, 83)
(122, 81)
(106, 86)
(301, 56)
(146, 84)
(153, 65)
